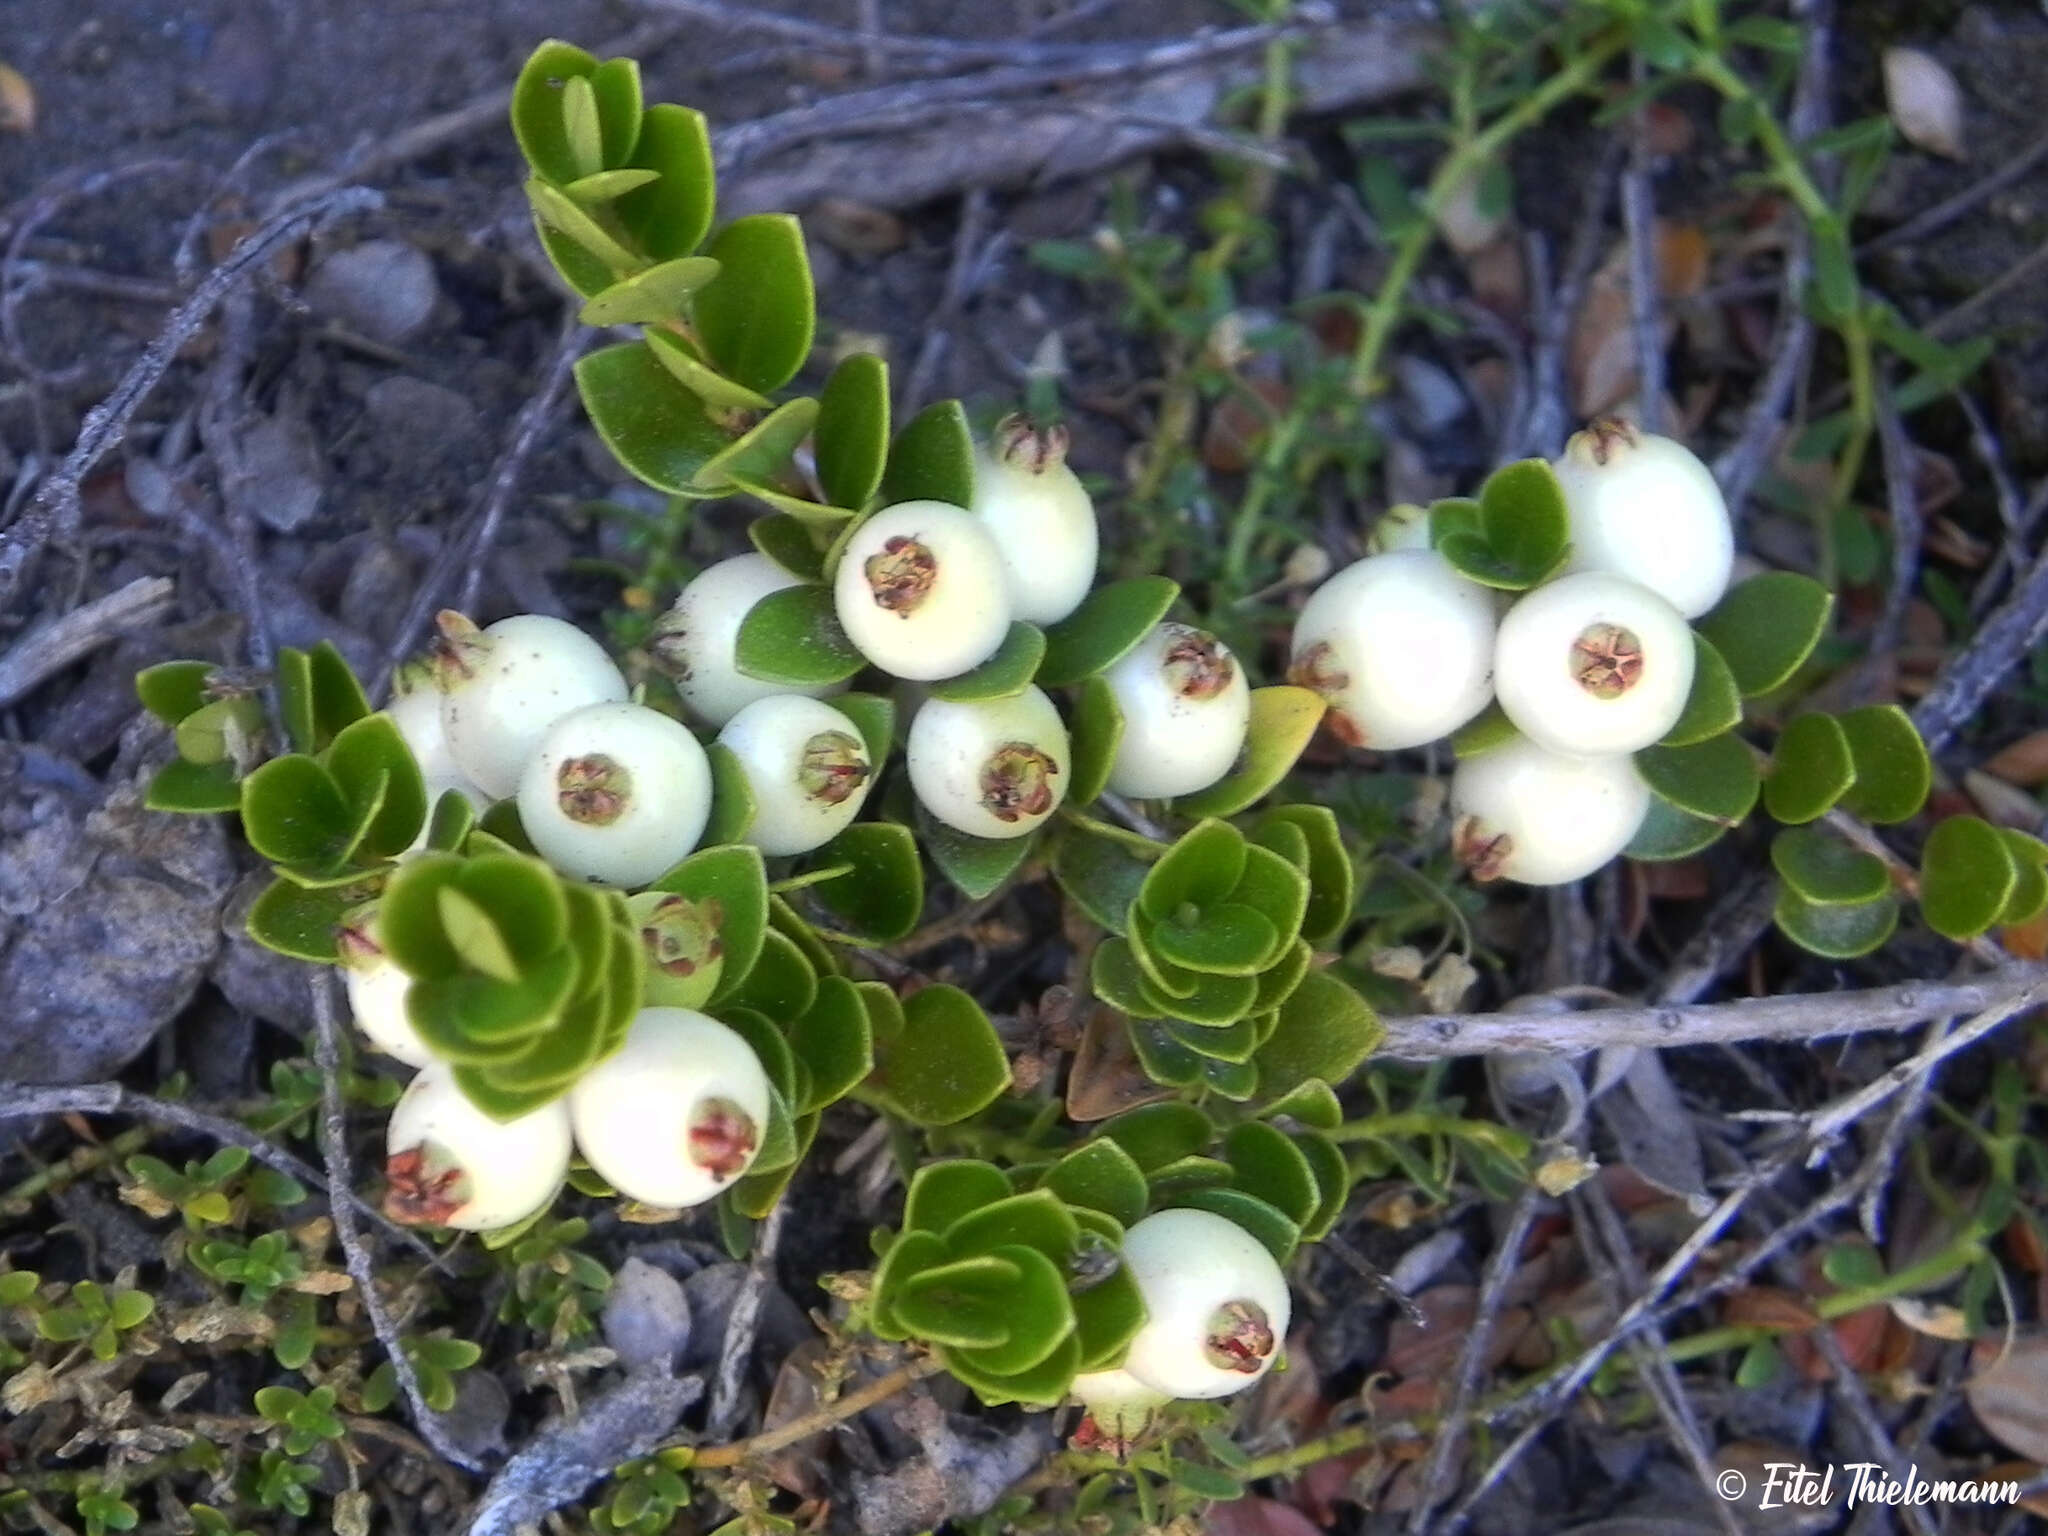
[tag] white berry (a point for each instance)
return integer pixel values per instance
(696, 641)
(1216, 1305)
(1120, 1408)
(615, 793)
(377, 990)
(676, 1114)
(921, 592)
(1519, 812)
(1593, 664)
(417, 714)
(502, 687)
(1041, 517)
(808, 767)
(1401, 647)
(1186, 707)
(1645, 507)
(992, 768)
(449, 1164)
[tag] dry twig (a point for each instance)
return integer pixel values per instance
(49, 650)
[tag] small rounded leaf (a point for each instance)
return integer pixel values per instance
(1967, 875)
(1766, 627)
(1826, 870)
(1810, 770)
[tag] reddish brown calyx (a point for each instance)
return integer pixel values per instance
(1483, 851)
(722, 1138)
(457, 648)
(1239, 1338)
(1016, 782)
(1022, 445)
(593, 790)
(357, 950)
(426, 1186)
(833, 766)
(1118, 1438)
(1607, 660)
(668, 648)
(1196, 665)
(902, 575)
(682, 936)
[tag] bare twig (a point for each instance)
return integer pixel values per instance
(20, 1100)
(838, 1411)
(736, 1352)
(361, 1267)
(49, 650)
(55, 511)
(1970, 675)
(1803, 1016)
(219, 411)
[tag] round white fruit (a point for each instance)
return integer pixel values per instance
(1645, 507)
(1401, 647)
(676, 1114)
(1593, 664)
(807, 766)
(921, 591)
(991, 768)
(696, 641)
(449, 1164)
(377, 990)
(417, 714)
(1041, 518)
(1120, 1407)
(502, 687)
(1186, 708)
(1519, 812)
(615, 793)
(1216, 1305)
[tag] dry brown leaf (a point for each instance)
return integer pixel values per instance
(856, 227)
(1106, 1077)
(1926, 104)
(1937, 1320)
(2009, 1393)
(1238, 426)
(2023, 762)
(17, 102)
(1683, 259)
(1765, 1306)
(2001, 802)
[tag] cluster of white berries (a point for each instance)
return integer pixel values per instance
(1589, 668)
(1216, 1314)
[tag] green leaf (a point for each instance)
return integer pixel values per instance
(1766, 627)
(968, 1302)
(1715, 703)
(670, 218)
(1100, 876)
(833, 1040)
(1229, 939)
(732, 796)
(1114, 975)
(1522, 514)
(948, 1062)
(1283, 719)
(1007, 673)
(932, 458)
(1331, 878)
(812, 514)
(294, 813)
(368, 750)
(781, 984)
(1333, 1184)
(1667, 833)
(1097, 732)
(763, 451)
(171, 690)
(881, 897)
(1716, 779)
(602, 187)
(1102, 1176)
(2029, 896)
(1204, 866)
(537, 119)
(792, 638)
(557, 211)
(654, 426)
(788, 542)
(299, 922)
(853, 430)
(874, 716)
(1486, 730)
(1809, 771)
(735, 878)
(756, 317)
(1277, 891)
(977, 866)
(1325, 1030)
(1967, 875)
(1038, 1220)
(1834, 268)
(942, 1193)
(193, 789)
(717, 392)
(1037, 1311)
(1157, 1135)
(647, 298)
(1270, 1166)
(1893, 774)
(1827, 871)
(1837, 932)
(1103, 630)
(615, 86)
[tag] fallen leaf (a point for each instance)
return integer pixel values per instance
(857, 228)
(1938, 1320)
(17, 102)
(1238, 425)
(1683, 259)
(2023, 762)
(2009, 1394)
(2000, 802)
(1926, 105)
(1764, 1306)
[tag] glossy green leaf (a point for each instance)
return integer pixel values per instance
(1716, 779)
(1204, 866)
(294, 679)
(1100, 876)
(1836, 932)
(947, 1064)
(1967, 876)
(781, 983)
(1037, 1219)
(1893, 773)
(967, 1302)
(881, 897)
(1103, 630)
(762, 451)
(942, 1193)
(1101, 1175)
(1115, 977)
(337, 697)
(537, 120)
(1269, 1165)
(1810, 769)
(1276, 983)
(731, 883)
(1106, 1317)
(1277, 891)
(293, 812)
(1157, 1135)
(362, 752)
(2029, 896)
(1486, 730)
(1228, 939)
(1325, 1030)
(1715, 703)
(932, 458)
(615, 90)
(194, 789)
(832, 1039)
(654, 426)
(1283, 719)
(649, 297)
(792, 638)
(600, 188)
(1037, 1312)
(299, 922)
(1523, 531)
(670, 217)
(1208, 999)
(1333, 1184)
(1668, 833)
(1009, 672)
(171, 690)
(976, 866)
(874, 717)
(1331, 876)
(814, 515)
(788, 542)
(1766, 627)
(756, 318)
(1041, 1386)
(1826, 870)
(706, 383)
(853, 430)
(556, 210)
(1097, 730)
(732, 796)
